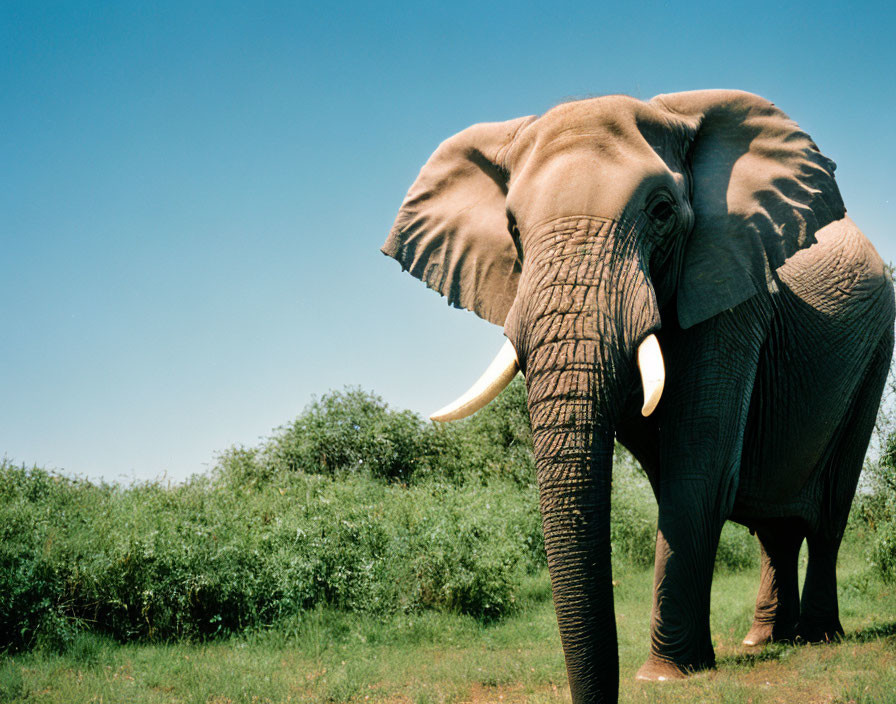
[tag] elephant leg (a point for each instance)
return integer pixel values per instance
(778, 601)
(839, 475)
(712, 368)
(819, 610)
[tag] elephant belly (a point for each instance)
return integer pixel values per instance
(833, 308)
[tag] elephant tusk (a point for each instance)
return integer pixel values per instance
(498, 375)
(653, 373)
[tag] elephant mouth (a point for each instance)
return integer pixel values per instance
(505, 367)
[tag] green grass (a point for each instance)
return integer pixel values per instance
(331, 656)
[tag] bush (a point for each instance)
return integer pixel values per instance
(354, 431)
(737, 549)
(472, 554)
(213, 557)
(883, 550)
(497, 441)
(633, 512)
(350, 431)
(39, 513)
(876, 508)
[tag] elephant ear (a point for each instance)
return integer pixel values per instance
(451, 230)
(761, 190)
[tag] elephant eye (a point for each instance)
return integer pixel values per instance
(663, 214)
(512, 228)
(515, 235)
(662, 211)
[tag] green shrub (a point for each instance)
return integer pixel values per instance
(883, 550)
(633, 512)
(876, 509)
(470, 556)
(353, 431)
(210, 557)
(738, 549)
(39, 514)
(497, 441)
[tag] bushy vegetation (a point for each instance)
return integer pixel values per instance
(875, 510)
(353, 506)
(355, 432)
(214, 557)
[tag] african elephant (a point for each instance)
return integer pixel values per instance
(701, 237)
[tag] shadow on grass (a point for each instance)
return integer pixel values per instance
(770, 653)
(873, 632)
(777, 651)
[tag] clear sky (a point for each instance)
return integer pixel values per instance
(193, 195)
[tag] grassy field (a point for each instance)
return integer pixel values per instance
(330, 656)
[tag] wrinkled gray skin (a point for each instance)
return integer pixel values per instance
(711, 220)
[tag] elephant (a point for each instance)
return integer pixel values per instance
(696, 240)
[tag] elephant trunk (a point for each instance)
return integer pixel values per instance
(573, 458)
(586, 305)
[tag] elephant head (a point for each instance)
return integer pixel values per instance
(582, 232)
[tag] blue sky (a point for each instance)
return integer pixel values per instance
(192, 196)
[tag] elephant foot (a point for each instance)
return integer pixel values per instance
(763, 633)
(655, 670)
(760, 634)
(818, 632)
